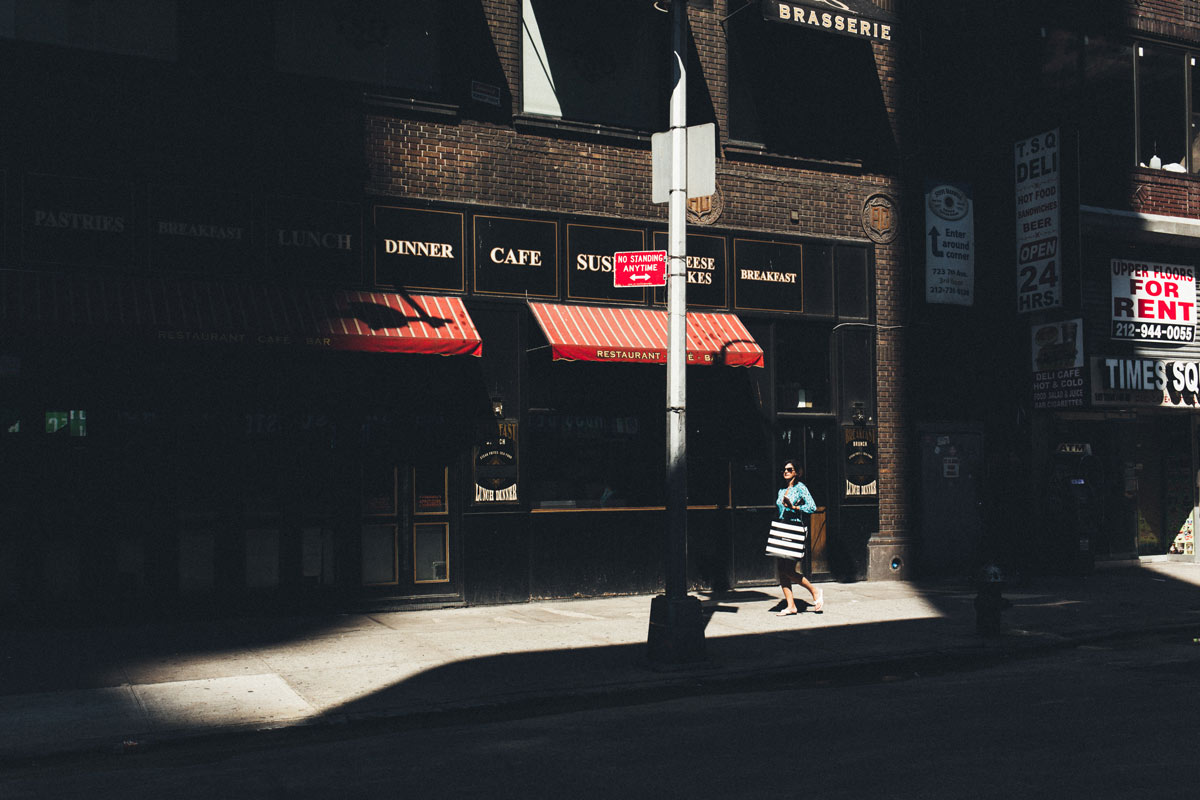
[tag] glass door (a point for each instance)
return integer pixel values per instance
(406, 529)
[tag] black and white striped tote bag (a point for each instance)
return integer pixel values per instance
(787, 539)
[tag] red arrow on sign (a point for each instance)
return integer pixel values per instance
(640, 268)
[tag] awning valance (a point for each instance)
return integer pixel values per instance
(198, 311)
(639, 335)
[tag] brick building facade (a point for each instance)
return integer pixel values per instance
(266, 423)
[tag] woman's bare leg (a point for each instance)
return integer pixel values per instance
(786, 576)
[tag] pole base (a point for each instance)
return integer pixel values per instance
(676, 631)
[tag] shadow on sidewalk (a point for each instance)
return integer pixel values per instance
(535, 665)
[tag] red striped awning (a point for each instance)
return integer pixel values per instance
(197, 311)
(639, 335)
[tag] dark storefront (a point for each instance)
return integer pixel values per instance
(1118, 384)
(314, 329)
(485, 424)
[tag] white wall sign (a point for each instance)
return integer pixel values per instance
(1153, 302)
(949, 244)
(1039, 273)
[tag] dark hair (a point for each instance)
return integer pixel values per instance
(795, 465)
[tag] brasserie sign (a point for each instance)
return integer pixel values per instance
(861, 19)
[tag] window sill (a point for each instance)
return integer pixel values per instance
(412, 105)
(553, 126)
(753, 151)
(1165, 173)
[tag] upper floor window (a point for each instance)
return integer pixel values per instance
(1162, 109)
(610, 64)
(127, 27)
(806, 93)
(372, 42)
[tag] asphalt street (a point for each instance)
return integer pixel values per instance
(1110, 720)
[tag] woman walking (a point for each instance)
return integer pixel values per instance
(794, 500)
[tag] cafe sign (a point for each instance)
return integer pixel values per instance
(516, 257)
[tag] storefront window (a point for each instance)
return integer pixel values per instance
(841, 117)
(595, 435)
(802, 368)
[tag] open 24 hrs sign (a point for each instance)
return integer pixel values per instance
(1153, 302)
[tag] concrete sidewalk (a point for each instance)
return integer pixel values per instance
(71, 691)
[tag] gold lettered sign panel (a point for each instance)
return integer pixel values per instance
(77, 222)
(314, 240)
(199, 231)
(768, 275)
(516, 257)
(418, 248)
(590, 251)
(707, 268)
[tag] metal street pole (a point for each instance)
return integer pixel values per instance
(676, 625)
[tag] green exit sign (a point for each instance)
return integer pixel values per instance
(67, 423)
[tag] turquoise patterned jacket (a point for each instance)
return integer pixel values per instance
(800, 498)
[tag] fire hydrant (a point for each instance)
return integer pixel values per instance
(989, 601)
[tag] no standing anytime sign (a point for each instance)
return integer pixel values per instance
(646, 268)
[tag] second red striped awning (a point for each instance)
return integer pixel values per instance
(639, 335)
